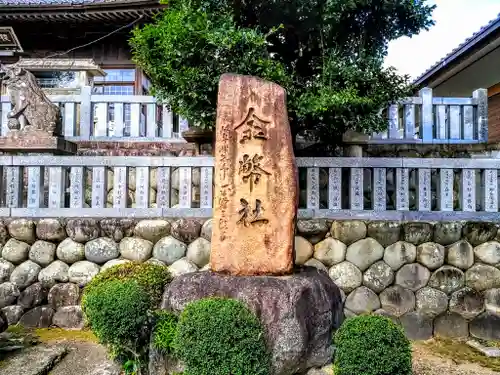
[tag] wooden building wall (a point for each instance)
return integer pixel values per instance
(494, 119)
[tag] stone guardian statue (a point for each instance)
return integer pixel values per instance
(32, 111)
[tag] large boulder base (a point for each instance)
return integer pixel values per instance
(299, 312)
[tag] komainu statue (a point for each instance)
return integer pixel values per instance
(31, 108)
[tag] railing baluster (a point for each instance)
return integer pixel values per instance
(14, 193)
(56, 187)
(69, 119)
(101, 127)
(402, 187)
(445, 196)
(183, 125)
(424, 189)
(379, 193)
(119, 126)
(454, 122)
(335, 188)
(185, 187)
(168, 123)
(409, 130)
(151, 127)
(35, 187)
(99, 193)
(490, 192)
(313, 188)
(135, 120)
(427, 125)
(482, 113)
(76, 192)
(468, 122)
(120, 193)
(468, 190)
(206, 188)
(142, 187)
(356, 198)
(393, 122)
(441, 126)
(163, 186)
(86, 121)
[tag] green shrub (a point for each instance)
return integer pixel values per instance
(221, 337)
(118, 305)
(117, 311)
(151, 277)
(371, 345)
(165, 331)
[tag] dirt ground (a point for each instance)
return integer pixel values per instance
(438, 358)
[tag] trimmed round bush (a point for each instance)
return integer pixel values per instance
(371, 345)
(117, 311)
(165, 331)
(218, 336)
(151, 277)
(118, 305)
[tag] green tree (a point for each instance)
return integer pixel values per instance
(327, 54)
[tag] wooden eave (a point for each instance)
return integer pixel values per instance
(81, 13)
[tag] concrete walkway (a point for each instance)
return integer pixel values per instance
(63, 358)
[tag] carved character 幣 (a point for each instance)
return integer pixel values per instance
(254, 127)
(251, 169)
(249, 216)
(31, 108)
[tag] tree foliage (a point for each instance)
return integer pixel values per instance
(328, 54)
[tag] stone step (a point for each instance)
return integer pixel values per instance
(38, 360)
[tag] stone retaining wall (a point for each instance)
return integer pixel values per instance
(439, 278)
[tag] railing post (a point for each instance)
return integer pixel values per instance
(482, 113)
(313, 188)
(393, 121)
(85, 112)
(427, 125)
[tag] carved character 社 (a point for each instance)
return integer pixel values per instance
(31, 108)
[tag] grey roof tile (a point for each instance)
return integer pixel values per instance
(13, 3)
(444, 61)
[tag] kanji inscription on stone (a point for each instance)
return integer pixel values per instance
(256, 190)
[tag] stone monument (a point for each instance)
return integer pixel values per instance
(255, 180)
(253, 233)
(34, 122)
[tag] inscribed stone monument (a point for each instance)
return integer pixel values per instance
(255, 180)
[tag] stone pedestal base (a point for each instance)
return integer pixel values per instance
(19, 142)
(300, 312)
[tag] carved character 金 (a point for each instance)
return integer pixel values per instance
(254, 127)
(251, 170)
(249, 216)
(31, 108)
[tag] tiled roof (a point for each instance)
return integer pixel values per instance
(462, 48)
(35, 3)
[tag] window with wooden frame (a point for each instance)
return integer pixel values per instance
(123, 81)
(118, 81)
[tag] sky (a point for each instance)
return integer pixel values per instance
(455, 21)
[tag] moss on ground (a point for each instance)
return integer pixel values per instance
(460, 352)
(58, 334)
(55, 334)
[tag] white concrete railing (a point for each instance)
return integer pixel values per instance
(434, 120)
(336, 188)
(423, 119)
(110, 117)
